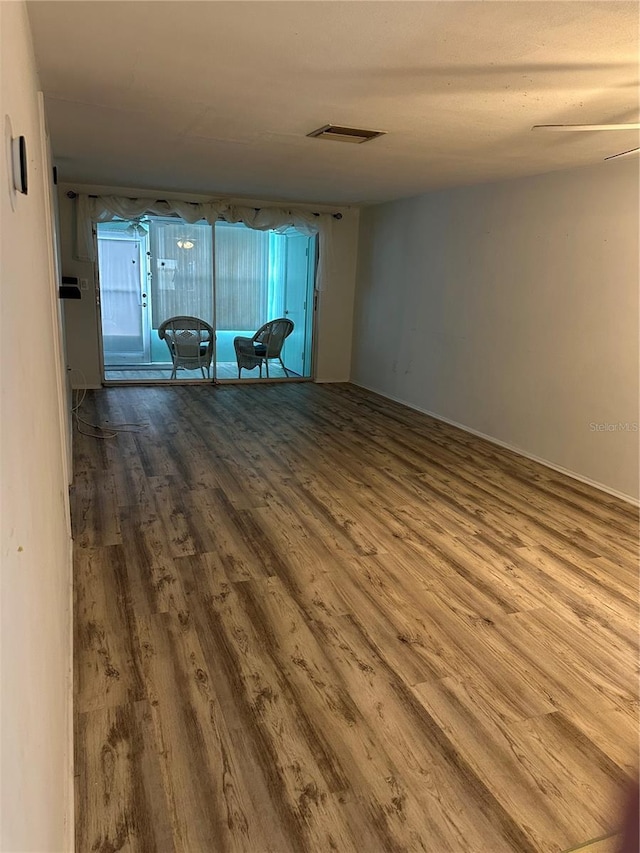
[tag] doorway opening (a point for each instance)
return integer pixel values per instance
(233, 278)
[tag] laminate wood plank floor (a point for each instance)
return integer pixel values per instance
(310, 619)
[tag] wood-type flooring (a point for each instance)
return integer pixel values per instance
(311, 619)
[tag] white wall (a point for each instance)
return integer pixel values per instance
(512, 309)
(35, 582)
(80, 315)
(334, 324)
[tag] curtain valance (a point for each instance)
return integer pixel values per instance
(91, 209)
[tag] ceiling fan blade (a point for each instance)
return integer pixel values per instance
(579, 127)
(624, 154)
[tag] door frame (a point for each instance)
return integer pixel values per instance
(308, 299)
(311, 327)
(312, 283)
(315, 299)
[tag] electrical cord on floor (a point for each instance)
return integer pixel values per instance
(100, 432)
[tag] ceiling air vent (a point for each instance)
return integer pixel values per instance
(345, 134)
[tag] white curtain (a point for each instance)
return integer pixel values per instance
(250, 277)
(105, 208)
(181, 259)
(242, 268)
(120, 293)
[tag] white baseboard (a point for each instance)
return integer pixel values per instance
(573, 474)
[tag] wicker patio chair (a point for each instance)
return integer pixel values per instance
(266, 344)
(190, 341)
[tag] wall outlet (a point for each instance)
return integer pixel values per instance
(84, 284)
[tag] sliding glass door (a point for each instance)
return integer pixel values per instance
(181, 280)
(232, 278)
(262, 276)
(151, 270)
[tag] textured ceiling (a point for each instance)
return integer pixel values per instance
(217, 97)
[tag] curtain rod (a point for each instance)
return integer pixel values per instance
(72, 194)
